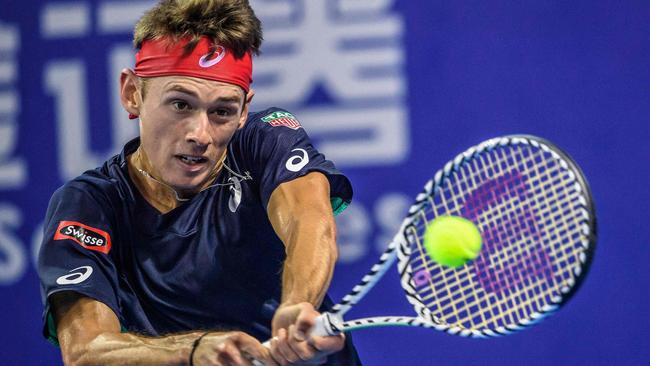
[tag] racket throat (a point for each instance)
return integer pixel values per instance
(328, 324)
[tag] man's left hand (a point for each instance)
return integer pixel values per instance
(292, 344)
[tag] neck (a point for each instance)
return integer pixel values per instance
(157, 193)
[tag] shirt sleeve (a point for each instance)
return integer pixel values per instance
(282, 151)
(75, 253)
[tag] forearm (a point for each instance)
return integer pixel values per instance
(130, 350)
(89, 334)
(302, 216)
(311, 255)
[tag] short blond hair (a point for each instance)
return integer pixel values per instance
(230, 23)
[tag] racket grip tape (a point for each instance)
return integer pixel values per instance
(325, 325)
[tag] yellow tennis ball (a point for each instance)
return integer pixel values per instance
(452, 240)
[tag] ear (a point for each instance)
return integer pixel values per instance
(247, 103)
(129, 92)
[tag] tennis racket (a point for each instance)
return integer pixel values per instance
(536, 217)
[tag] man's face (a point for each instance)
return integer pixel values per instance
(185, 126)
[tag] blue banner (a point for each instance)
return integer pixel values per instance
(389, 90)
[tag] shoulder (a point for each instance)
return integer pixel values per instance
(85, 208)
(268, 127)
(272, 119)
(97, 185)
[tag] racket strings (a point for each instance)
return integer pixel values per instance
(525, 205)
(538, 175)
(525, 302)
(519, 297)
(460, 312)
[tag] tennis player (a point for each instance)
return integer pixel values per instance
(211, 231)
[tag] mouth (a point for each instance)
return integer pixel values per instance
(191, 160)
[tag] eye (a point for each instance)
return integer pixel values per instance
(180, 105)
(224, 112)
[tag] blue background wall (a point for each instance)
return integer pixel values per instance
(390, 90)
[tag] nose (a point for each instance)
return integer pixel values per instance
(199, 132)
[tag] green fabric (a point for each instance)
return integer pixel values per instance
(338, 205)
(51, 329)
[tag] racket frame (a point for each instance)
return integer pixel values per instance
(332, 323)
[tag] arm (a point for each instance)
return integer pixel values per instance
(89, 334)
(302, 217)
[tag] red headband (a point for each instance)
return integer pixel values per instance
(162, 57)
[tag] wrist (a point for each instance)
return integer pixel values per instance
(195, 345)
(287, 303)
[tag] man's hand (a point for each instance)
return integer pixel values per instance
(292, 344)
(230, 349)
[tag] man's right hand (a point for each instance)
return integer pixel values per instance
(230, 349)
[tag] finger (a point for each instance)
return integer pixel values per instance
(275, 353)
(284, 347)
(228, 354)
(328, 344)
(252, 349)
(300, 346)
(306, 319)
(283, 350)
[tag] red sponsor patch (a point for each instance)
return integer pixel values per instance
(288, 122)
(86, 236)
(280, 118)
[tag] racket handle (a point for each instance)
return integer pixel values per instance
(323, 327)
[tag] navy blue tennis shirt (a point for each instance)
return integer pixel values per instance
(214, 262)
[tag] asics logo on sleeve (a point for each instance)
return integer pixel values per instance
(84, 235)
(297, 162)
(74, 278)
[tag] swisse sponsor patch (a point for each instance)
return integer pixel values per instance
(86, 236)
(280, 118)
